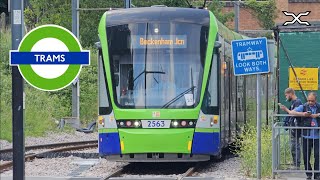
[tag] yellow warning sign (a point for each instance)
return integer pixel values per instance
(308, 78)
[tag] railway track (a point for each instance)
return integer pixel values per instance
(117, 174)
(53, 148)
(48, 146)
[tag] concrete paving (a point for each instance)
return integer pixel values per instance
(49, 178)
(292, 176)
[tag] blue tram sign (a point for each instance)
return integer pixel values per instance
(250, 56)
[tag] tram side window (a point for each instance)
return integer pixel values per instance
(210, 100)
(104, 107)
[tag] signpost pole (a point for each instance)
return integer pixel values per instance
(250, 56)
(258, 126)
(17, 94)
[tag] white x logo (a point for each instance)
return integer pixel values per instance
(296, 18)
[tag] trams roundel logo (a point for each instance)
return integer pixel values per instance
(49, 57)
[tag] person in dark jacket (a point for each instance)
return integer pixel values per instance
(310, 112)
(295, 134)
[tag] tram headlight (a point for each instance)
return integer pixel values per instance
(136, 123)
(121, 123)
(175, 123)
(156, 30)
(101, 120)
(183, 123)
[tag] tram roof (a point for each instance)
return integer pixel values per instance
(158, 14)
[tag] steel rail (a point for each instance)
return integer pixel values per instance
(54, 145)
(7, 165)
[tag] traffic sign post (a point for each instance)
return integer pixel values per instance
(17, 94)
(250, 56)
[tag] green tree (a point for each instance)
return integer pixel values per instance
(48, 12)
(169, 3)
(216, 7)
(89, 20)
(265, 11)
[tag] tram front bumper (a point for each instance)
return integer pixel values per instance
(139, 141)
(156, 140)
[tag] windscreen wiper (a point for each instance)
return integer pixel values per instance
(178, 97)
(147, 72)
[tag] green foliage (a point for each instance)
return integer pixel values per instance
(89, 20)
(175, 3)
(48, 12)
(42, 107)
(89, 90)
(266, 12)
(169, 3)
(216, 7)
(5, 87)
(5, 45)
(248, 149)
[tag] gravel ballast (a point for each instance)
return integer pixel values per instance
(103, 168)
(229, 168)
(58, 167)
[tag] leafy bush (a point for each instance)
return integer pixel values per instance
(265, 11)
(248, 150)
(89, 89)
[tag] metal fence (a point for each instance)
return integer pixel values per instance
(292, 148)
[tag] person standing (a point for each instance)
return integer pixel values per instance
(295, 134)
(310, 112)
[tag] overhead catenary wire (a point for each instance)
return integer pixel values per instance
(292, 67)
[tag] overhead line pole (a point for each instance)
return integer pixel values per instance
(236, 28)
(236, 15)
(127, 3)
(76, 83)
